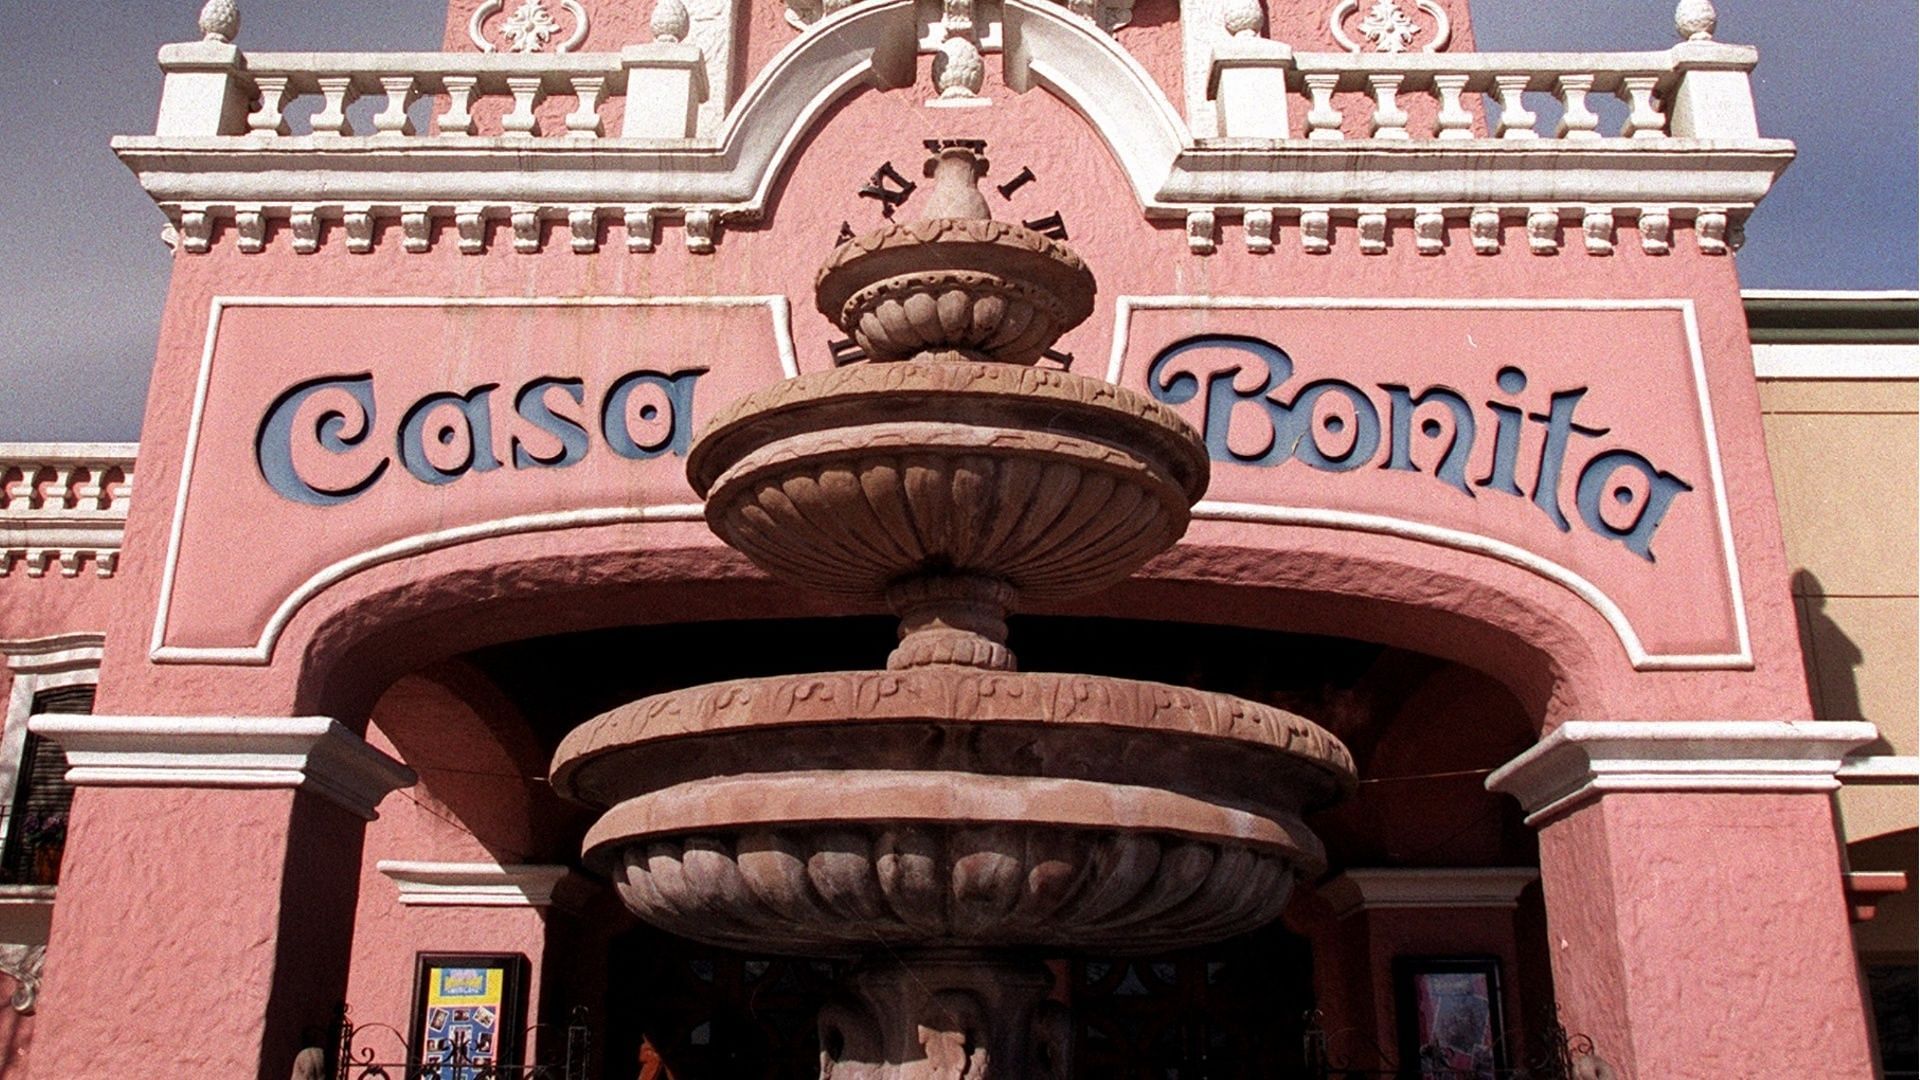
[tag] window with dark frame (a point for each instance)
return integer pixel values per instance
(42, 798)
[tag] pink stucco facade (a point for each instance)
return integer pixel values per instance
(1532, 476)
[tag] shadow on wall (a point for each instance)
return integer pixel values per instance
(16, 1032)
(1831, 657)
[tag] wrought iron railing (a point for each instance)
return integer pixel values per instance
(356, 1056)
(1561, 1057)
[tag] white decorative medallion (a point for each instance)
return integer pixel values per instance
(531, 27)
(1388, 28)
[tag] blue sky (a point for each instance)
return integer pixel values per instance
(83, 274)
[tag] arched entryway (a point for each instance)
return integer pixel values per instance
(1425, 733)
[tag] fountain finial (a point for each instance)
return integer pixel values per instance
(956, 284)
(956, 166)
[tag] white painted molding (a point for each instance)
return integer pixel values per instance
(314, 753)
(50, 656)
(1880, 769)
(1836, 361)
(1908, 295)
(1393, 888)
(456, 884)
(1582, 760)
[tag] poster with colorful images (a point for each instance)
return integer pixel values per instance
(468, 1013)
(1450, 1019)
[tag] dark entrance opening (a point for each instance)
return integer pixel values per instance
(1230, 1011)
(1424, 732)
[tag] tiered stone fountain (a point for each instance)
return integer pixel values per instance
(950, 820)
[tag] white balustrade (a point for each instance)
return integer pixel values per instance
(669, 77)
(1564, 181)
(1694, 90)
(64, 505)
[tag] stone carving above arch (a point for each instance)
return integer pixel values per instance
(1388, 27)
(528, 28)
(1048, 47)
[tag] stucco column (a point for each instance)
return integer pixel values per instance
(1695, 907)
(207, 892)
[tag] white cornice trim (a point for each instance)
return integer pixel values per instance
(1866, 295)
(456, 884)
(1383, 888)
(51, 655)
(1836, 361)
(1584, 759)
(1885, 768)
(314, 753)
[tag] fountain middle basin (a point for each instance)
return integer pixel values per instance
(941, 807)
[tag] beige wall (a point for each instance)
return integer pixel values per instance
(1846, 454)
(1844, 460)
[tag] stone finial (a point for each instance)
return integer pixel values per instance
(956, 168)
(1243, 18)
(958, 70)
(1695, 19)
(220, 20)
(669, 21)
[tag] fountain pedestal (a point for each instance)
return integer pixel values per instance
(948, 819)
(946, 1014)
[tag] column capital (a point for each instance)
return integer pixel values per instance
(480, 884)
(314, 753)
(1363, 888)
(1584, 759)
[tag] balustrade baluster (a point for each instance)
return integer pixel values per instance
(1644, 119)
(584, 121)
(1323, 120)
(1453, 121)
(270, 119)
(336, 92)
(17, 494)
(526, 94)
(91, 493)
(1389, 119)
(393, 120)
(1516, 122)
(54, 496)
(458, 119)
(1577, 121)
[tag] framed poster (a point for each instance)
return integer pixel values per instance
(469, 1013)
(1450, 1018)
